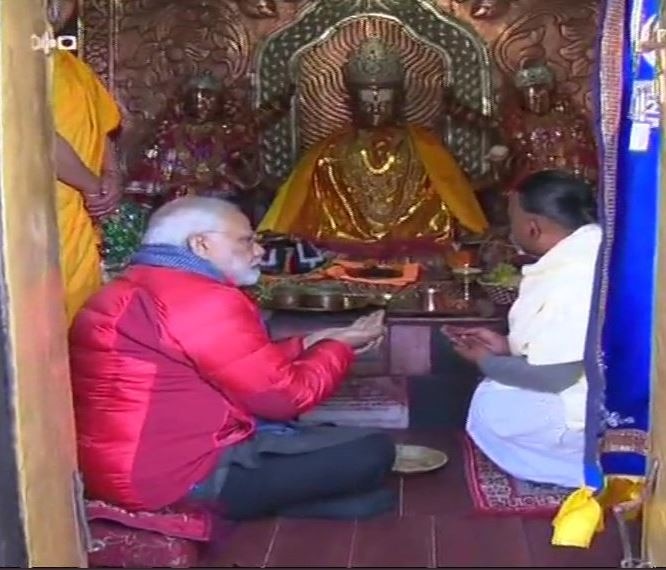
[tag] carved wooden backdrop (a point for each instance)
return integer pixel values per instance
(142, 47)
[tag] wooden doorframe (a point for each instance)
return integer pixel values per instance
(13, 543)
(654, 523)
(36, 412)
(13, 547)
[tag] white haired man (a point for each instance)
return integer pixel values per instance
(180, 392)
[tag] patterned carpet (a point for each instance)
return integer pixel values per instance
(380, 402)
(495, 492)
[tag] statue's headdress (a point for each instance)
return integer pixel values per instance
(374, 63)
(205, 80)
(534, 75)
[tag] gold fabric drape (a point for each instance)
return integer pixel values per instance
(324, 197)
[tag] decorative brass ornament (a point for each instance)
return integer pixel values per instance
(374, 63)
(534, 75)
(489, 9)
(258, 8)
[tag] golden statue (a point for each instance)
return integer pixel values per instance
(377, 182)
(205, 144)
(544, 130)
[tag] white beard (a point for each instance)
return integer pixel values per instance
(249, 277)
(242, 275)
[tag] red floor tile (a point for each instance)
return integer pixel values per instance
(438, 527)
(249, 544)
(481, 542)
(605, 551)
(406, 542)
(313, 543)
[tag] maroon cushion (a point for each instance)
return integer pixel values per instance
(170, 538)
(185, 520)
(118, 546)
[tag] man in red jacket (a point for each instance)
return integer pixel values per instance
(179, 391)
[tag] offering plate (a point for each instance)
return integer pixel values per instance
(313, 299)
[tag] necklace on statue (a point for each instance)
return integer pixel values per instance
(377, 170)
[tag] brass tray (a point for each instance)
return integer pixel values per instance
(436, 298)
(325, 302)
(418, 459)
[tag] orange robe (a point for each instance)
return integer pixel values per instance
(319, 200)
(84, 114)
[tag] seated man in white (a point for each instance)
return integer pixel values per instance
(528, 414)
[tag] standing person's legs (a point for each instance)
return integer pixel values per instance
(341, 481)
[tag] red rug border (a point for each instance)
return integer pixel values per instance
(478, 497)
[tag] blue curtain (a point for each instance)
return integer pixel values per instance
(620, 347)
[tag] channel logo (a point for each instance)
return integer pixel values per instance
(47, 43)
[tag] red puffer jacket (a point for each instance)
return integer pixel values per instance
(169, 368)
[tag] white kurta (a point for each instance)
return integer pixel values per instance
(531, 435)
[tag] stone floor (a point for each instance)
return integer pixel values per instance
(433, 526)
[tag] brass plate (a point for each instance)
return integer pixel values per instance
(418, 459)
(318, 304)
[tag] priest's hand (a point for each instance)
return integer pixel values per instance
(471, 350)
(496, 343)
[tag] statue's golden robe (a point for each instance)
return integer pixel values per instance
(394, 184)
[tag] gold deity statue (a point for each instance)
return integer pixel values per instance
(543, 128)
(378, 181)
(205, 144)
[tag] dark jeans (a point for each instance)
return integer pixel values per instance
(285, 481)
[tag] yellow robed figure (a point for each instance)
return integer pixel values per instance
(84, 114)
(376, 181)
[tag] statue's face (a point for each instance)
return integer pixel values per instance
(376, 106)
(537, 98)
(202, 105)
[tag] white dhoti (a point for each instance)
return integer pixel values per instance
(526, 435)
(533, 435)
